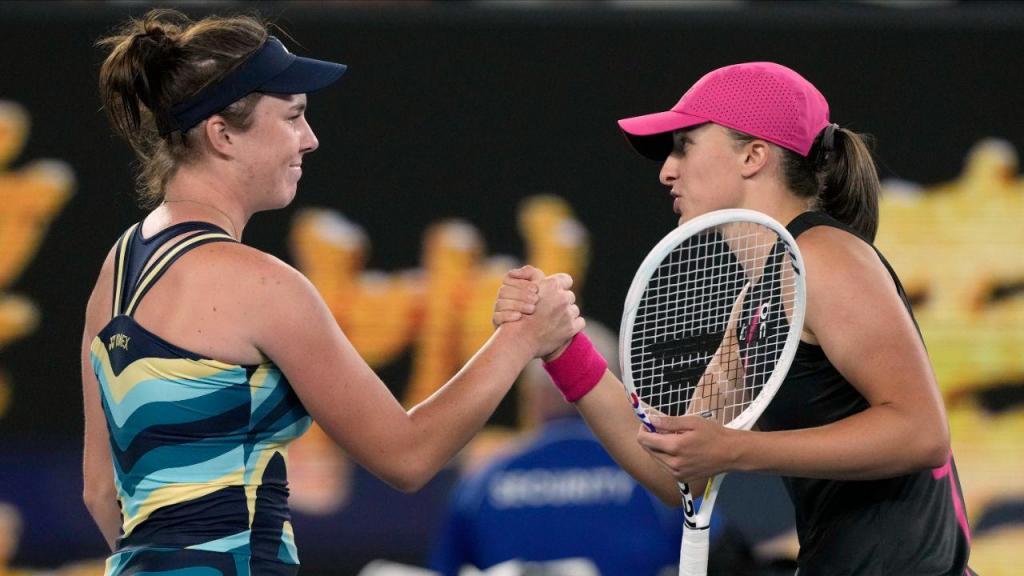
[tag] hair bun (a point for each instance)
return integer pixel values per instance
(157, 53)
(154, 39)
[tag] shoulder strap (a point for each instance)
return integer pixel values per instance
(808, 220)
(139, 271)
(121, 258)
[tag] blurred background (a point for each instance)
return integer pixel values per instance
(469, 137)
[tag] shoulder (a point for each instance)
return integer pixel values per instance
(268, 299)
(98, 309)
(835, 258)
(845, 277)
(249, 272)
(824, 243)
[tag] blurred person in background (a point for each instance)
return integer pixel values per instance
(10, 536)
(203, 358)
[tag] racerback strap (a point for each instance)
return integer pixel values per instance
(808, 220)
(136, 269)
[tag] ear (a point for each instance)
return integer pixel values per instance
(754, 157)
(219, 136)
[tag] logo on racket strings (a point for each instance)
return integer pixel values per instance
(759, 323)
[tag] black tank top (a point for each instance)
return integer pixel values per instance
(908, 525)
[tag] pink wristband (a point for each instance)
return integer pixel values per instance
(578, 369)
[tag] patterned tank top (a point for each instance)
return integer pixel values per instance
(199, 446)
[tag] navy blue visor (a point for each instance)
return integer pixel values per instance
(271, 69)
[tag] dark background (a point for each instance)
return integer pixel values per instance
(462, 110)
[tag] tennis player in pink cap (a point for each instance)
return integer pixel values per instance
(857, 430)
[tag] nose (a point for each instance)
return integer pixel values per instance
(309, 141)
(669, 170)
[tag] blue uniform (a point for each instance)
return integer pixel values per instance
(199, 446)
(560, 497)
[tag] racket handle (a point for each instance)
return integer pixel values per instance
(693, 556)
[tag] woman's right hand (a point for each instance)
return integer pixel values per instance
(543, 308)
(518, 295)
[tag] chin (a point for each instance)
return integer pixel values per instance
(276, 202)
(286, 197)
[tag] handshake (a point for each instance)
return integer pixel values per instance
(541, 309)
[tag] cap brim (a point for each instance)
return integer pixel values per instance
(651, 134)
(304, 75)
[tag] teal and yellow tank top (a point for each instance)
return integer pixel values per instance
(199, 446)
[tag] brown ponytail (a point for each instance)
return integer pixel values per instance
(843, 181)
(159, 61)
(849, 183)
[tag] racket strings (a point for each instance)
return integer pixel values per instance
(696, 346)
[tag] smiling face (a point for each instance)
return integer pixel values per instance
(703, 172)
(271, 150)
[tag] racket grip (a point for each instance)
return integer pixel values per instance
(578, 369)
(693, 556)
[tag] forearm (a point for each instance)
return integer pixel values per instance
(609, 415)
(446, 421)
(880, 442)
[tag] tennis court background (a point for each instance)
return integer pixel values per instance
(464, 132)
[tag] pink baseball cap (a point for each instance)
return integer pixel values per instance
(763, 99)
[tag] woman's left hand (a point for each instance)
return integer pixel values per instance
(689, 447)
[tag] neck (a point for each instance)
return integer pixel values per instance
(190, 195)
(777, 201)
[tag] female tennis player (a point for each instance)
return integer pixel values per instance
(202, 357)
(858, 429)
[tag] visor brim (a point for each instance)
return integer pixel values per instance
(303, 76)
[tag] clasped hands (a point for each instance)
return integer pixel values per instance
(545, 305)
(689, 447)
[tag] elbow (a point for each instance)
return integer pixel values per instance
(666, 490)
(407, 475)
(96, 497)
(934, 448)
(936, 454)
(401, 464)
(405, 484)
(670, 499)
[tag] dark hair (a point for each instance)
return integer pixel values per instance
(843, 181)
(160, 60)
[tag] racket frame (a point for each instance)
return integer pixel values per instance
(696, 523)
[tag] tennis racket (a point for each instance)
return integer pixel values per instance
(711, 323)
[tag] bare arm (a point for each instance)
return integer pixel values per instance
(358, 411)
(608, 413)
(858, 319)
(606, 409)
(98, 491)
(863, 327)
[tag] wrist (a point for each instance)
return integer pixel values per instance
(556, 353)
(739, 442)
(513, 338)
(577, 369)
